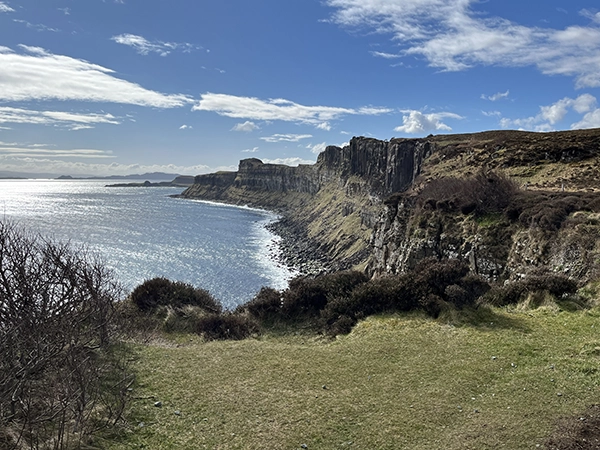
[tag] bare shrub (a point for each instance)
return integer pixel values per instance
(56, 343)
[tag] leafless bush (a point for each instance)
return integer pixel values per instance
(60, 378)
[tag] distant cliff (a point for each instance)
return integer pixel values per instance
(358, 202)
(337, 200)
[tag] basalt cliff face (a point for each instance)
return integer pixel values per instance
(365, 204)
(336, 201)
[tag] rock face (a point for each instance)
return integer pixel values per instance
(337, 200)
(384, 168)
(357, 202)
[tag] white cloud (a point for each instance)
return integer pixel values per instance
(185, 127)
(250, 150)
(386, 55)
(40, 75)
(74, 121)
(32, 152)
(491, 113)
(592, 15)
(317, 148)
(416, 122)
(324, 126)
(590, 120)
(286, 137)
(294, 161)
(495, 97)
(4, 8)
(247, 126)
(450, 35)
(144, 47)
(277, 109)
(36, 26)
(552, 114)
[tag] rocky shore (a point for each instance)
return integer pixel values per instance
(297, 250)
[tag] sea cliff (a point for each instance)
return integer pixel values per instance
(362, 206)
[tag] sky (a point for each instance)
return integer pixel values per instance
(100, 87)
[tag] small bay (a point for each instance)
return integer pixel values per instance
(143, 233)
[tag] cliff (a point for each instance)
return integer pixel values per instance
(335, 202)
(363, 204)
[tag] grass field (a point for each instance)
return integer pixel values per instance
(395, 382)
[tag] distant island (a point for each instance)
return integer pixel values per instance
(180, 181)
(153, 176)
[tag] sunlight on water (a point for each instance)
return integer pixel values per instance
(142, 233)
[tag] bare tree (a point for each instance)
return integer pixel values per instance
(59, 376)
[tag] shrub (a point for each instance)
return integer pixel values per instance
(264, 306)
(432, 286)
(484, 193)
(225, 326)
(306, 296)
(59, 373)
(555, 284)
(159, 291)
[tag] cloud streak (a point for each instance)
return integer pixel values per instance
(495, 97)
(278, 110)
(40, 75)
(60, 164)
(452, 37)
(74, 121)
(286, 137)
(144, 47)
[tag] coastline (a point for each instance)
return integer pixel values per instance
(296, 250)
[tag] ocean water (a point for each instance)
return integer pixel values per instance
(142, 233)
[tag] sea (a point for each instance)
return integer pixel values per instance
(143, 232)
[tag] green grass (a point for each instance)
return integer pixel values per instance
(495, 379)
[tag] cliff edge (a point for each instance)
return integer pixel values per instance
(360, 203)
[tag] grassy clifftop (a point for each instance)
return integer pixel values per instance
(569, 159)
(496, 379)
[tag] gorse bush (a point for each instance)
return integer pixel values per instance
(225, 326)
(159, 291)
(307, 296)
(58, 370)
(266, 305)
(554, 284)
(430, 286)
(493, 194)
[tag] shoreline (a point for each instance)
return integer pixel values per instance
(296, 250)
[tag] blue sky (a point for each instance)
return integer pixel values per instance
(129, 86)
